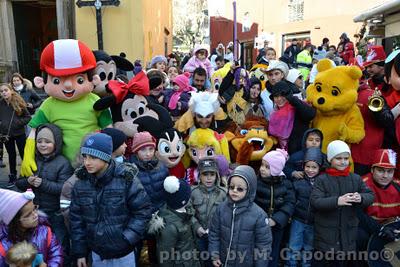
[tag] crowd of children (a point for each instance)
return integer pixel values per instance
(135, 197)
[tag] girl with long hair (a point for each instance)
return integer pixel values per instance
(13, 118)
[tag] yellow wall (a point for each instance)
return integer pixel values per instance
(126, 28)
(157, 15)
(332, 17)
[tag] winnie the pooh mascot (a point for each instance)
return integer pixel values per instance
(334, 95)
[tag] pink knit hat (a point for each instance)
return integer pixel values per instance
(183, 82)
(141, 140)
(276, 160)
(11, 202)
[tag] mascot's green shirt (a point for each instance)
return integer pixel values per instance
(76, 119)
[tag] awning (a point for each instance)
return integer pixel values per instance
(385, 8)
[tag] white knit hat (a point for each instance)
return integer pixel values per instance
(335, 148)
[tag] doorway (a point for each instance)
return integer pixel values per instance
(35, 26)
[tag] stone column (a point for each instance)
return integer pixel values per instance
(66, 19)
(8, 51)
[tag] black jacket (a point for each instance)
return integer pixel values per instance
(54, 169)
(280, 190)
(335, 227)
(30, 96)
(108, 214)
(291, 52)
(18, 121)
(304, 115)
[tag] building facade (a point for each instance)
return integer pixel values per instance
(281, 21)
(138, 28)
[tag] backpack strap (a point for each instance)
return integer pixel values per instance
(2, 251)
(49, 236)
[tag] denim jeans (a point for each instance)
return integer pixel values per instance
(126, 261)
(202, 243)
(277, 234)
(300, 241)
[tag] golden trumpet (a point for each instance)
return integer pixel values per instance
(376, 101)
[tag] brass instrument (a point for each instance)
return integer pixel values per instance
(376, 101)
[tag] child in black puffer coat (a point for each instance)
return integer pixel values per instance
(273, 185)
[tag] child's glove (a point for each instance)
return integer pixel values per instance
(28, 166)
(388, 233)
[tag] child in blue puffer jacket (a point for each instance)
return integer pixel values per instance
(302, 227)
(152, 173)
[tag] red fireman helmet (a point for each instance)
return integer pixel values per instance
(384, 158)
(375, 54)
(67, 57)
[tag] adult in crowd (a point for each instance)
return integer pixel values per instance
(26, 91)
(13, 117)
(199, 80)
(291, 51)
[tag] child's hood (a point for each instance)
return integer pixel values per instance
(306, 133)
(247, 173)
(58, 137)
(314, 154)
(199, 47)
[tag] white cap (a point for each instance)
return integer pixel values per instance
(278, 65)
(293, 75)
(335, 148)
(204, 103)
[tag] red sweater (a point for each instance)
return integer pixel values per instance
(386, 205)
(362, 152)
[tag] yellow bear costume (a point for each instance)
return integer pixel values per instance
(334, 95)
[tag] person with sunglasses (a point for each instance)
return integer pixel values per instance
(275, 195)
(20, 221)
(239, 232)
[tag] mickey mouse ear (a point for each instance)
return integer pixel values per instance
(104, 103)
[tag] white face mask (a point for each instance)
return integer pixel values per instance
(19, 87)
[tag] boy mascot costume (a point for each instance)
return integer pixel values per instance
(334, 95)
(68, 80)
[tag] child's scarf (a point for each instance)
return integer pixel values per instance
(335, 172)
(183, 82)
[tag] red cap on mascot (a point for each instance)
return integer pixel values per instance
(375, 54)
(67, 57)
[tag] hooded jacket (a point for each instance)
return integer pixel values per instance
(177, 235)
(44, 240)
(194, 62)
(303, 188)
(241, 228)
(295, 161)
(108, 214)
(205, 201)
(54, 170)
